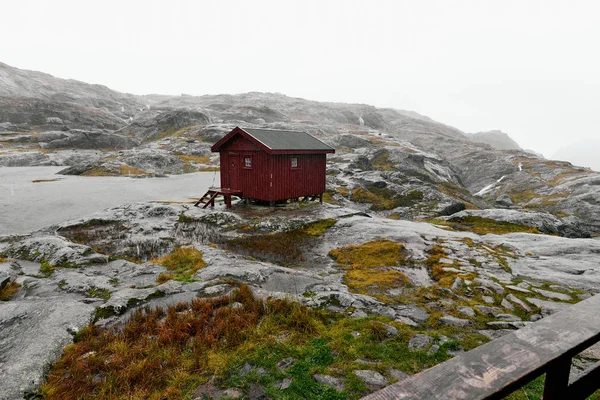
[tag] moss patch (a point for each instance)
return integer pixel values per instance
(384, 198)
(9, 290)
(369, 266)
(123, 170)
(182, 263)
(483, 226)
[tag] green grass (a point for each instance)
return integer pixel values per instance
(168, 353)
(46, 269)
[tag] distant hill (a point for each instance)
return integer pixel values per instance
(495, 138)
(585, 153)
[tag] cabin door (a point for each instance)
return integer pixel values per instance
(234, 171)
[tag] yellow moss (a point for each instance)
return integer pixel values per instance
(182, 263)
(195, 159)
(458, 193)
(484, 226)
(368, 265)
(128, 170)
(123, 170)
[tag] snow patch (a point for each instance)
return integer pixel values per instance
(489, 187)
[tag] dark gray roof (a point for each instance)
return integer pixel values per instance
(276, 139)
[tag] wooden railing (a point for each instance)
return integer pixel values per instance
(498, 368)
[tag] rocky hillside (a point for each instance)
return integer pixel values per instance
(429, 243)
(396, 162)
(497, 139)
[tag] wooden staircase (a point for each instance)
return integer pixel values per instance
(209, 197)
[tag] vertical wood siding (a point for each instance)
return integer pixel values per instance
(285, 183)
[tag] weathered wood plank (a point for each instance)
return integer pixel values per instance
(497, 368)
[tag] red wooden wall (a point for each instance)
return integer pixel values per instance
(271, 177)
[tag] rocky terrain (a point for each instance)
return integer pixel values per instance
(446, 241)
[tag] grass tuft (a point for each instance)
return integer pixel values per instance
(9, 290)
(182, 263)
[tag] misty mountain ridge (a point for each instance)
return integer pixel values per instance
(42, 116)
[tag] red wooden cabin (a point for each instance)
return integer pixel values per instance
(270, 165)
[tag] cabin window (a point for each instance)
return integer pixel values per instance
(294, 162)
(248, 162)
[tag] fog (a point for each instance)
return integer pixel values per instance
(527, 68)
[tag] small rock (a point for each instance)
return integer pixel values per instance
(548, 307)
(412, 311)
(485, 310)
(284, 384)
(355, 334)
(524, 285)
(285, 363)
(508, 317)
(406, 320)
(397, 374)
(488, 299)
(490, 284)
(453, 321)
(457, 284)
(518, 302)
(234, 393)
(433, 349)
(358, 314)
(518, 289)
(237, 305)
(331, 381)
(366, 362)
(535, 317)
(507, 304)
(419, 342)
(592, 353)
(468, 311)
(371, 378)
(507, 324)
(390, 330)
(387, 312)
(553, 295)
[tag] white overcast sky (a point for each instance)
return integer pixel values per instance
(529, 68)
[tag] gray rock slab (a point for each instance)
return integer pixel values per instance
(371, 378)
(518, 302)
(548, 307)
(397, 374)
(517, 289)
(419, 342)
(487, 310)
(553, 295)
(507, 304)
(34, 332)
(406, 320)
(453, 321)
(468, 311)
(413, 312)
(331, 381)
